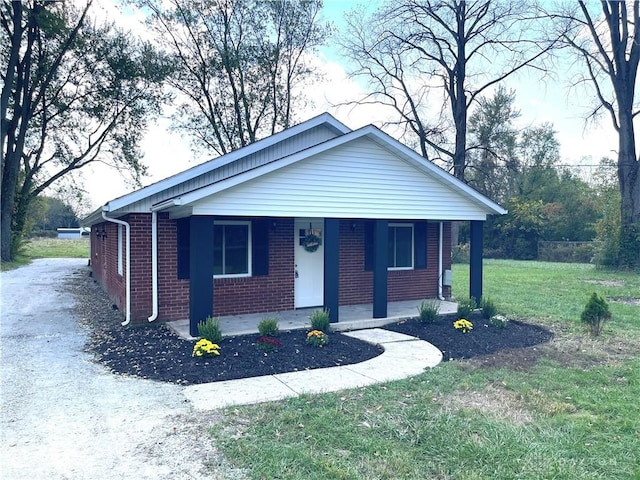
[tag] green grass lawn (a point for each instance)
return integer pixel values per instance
(573, 413)
(49, 248)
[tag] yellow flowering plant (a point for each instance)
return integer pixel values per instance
(205, 348)
(317, 338)
(463, 325)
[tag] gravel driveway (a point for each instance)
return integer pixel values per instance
(64, 417)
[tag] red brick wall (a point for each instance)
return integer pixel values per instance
(141, 289)
(104, 261)
(356, 284)
(266, 293)
(252, 294)
(173, 293)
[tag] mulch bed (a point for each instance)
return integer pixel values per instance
(484, 339)
(155, 352)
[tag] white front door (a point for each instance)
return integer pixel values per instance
(309, 258)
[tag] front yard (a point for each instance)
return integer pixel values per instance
(569, 411)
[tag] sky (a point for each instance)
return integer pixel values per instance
(167, 153)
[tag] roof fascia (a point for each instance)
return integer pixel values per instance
(218, 162)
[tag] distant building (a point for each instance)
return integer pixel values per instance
(73, 233)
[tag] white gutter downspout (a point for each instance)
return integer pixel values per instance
(154, 265)
(127, 288)
(440, 272)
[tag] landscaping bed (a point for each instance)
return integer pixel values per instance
(483, 339)
(155, 352)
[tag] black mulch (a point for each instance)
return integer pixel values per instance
(484, 339)
(156, 353)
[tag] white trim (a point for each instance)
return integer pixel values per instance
(120, 248)
(440, 253)
(154, 266)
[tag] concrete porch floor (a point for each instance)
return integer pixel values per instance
(351, 317)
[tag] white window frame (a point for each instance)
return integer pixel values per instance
(249, 248)
(411, 226)
(120, 252)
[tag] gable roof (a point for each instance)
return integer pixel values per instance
(318, 136)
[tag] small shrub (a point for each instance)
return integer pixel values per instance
(488, 308)
(267, 344)
(466, 306)
(269, 327)
(320, 320)
(205, 348)
(428, 311)
(210, 330)
(499, 321)
(595, 313)
(463, 325)
(317, 338)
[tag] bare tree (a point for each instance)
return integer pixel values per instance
(237, 64)
(608, 43)
(421, 54)
(73, 93)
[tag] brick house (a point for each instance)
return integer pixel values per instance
(316, 215)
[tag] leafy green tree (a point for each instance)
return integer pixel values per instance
(575, 208)
(607, 228)
(492, 158)
(520, 230)
(74, 92)
(52, 214)
(239, 64)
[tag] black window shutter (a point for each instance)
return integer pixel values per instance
(183, 238)
(420, 244)
(368, 245)
(260, 247)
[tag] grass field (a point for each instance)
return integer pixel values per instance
(570, 412)
(49, 248)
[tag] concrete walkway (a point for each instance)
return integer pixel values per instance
(352, 317)
(403, 357)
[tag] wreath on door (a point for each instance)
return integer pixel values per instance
(311, 242)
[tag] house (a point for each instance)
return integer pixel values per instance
(316, 215)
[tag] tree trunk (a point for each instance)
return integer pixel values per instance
(7, 199)
(629, 179)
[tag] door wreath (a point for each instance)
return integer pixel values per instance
(311, 242)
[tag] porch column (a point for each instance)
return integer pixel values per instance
(331, 267)
(201, 271)
(380, 265)
(475, 263)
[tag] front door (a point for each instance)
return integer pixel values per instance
(309, 258)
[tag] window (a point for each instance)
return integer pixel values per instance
(232, 249)
(400, 246)
(120, 262)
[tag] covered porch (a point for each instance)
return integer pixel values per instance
(352, 317)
